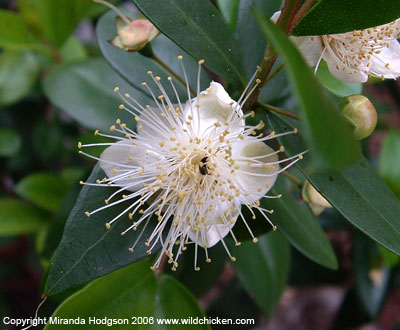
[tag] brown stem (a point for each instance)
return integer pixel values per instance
(269, 59)
(279, 110)
(300, 14)
(172, 72)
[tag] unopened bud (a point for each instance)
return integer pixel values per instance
(133, 35)
(362, 115)
(315, 200)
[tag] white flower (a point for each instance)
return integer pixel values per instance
(354, 56)
(192, 165)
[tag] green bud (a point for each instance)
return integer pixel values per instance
(361, 114)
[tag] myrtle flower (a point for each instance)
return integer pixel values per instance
(354, 56)
(189, 167)
(133, 35)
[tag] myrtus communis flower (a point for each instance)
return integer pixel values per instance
(356, 55)
(189, 167)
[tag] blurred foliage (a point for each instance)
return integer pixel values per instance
(55, 88)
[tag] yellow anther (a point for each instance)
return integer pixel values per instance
(108, 226)
(116, 89)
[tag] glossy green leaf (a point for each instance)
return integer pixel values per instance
(133, 66)
(13, 31)
(321, 118)
(59, 18)
(19, 71)
(46, 190)
(253, 48)
(263, 268)
(357, 192)
(335, 85)
(299, 226)
(229, 9)
(338, 16)
(84, 91)
(10, 142)
(88, 250)
(132, 294)
(389, 160)
(18, 217)
(193, 26)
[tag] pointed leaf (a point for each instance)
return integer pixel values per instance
(300, 227)
(338, 16)
(84, 91)
(133, 66)
(320, 115)
(199, 29)
(132, 295)
(264, 268)
(88, 250)
(357, 192)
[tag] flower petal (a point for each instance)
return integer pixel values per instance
(252, 178)
(350, 75)
(387, 62)
(122, 157)
(216, 231)
(310, 47)
(214, 105)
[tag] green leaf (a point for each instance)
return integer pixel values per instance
(73, 50)
(10, 142)
(18, 217)
(59, 18)
(357, 192)
(88, 250)
(321, 118)
(46, 190)
(264, 268)
(389, 160)
(299, 226)
(133, 66)
(85, 92)
(198, 28)
(19, 71)
(229, 9)
(338, 16)
(335, 85)
(13, 31)
(132, 294)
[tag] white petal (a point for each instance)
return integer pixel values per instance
(390, 56)
(217, 228)
(215, 105)
(254, 181)
(347, 75)
(274, 18)
(310, 47)
(115, 161)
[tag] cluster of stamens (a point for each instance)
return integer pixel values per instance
(183, 176)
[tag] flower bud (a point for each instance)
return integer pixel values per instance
(362, 115)
(315, 200)
(135, 35)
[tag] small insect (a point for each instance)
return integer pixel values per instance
(203, 166)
